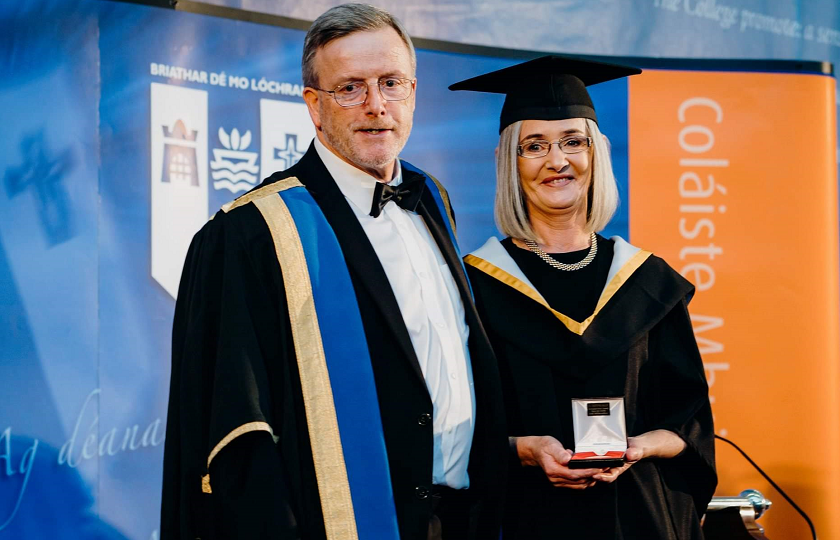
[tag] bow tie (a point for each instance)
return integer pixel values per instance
(406, 195)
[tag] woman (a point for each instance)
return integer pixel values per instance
(572, 314)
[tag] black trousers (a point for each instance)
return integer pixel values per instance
(450, 519)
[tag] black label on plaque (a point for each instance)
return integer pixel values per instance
(597, 409)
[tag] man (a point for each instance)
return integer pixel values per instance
(330, 378)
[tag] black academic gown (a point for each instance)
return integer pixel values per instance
(233, 363)
(640, 345)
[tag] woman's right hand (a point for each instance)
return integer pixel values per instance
(548, 453)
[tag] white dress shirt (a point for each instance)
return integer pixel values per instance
(431, 307)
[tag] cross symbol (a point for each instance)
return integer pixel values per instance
(289, 155)
(43, 174)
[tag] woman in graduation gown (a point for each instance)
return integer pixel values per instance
(572, 314)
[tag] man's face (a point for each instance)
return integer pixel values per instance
(371, 135)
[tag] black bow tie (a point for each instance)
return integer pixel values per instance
(406, 195)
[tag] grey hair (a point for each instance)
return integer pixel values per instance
(511, 210)
(344, 20)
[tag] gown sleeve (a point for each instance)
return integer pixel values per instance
(230, 327)
(683, 407)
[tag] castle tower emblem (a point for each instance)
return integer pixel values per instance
(180, 165)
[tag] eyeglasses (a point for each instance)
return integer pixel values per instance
(538, 148)
(354, 93)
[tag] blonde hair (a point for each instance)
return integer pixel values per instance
(511, 210)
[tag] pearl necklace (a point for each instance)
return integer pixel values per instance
(593, 250)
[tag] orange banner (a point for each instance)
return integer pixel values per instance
(733, 181)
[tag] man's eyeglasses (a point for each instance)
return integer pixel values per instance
(538, 148)
(354, 93)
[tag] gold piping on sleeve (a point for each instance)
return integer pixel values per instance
(327, 453)
(226, 440)
(446, 204)
(576, 327)
(259, 193)
(205, 484)
(238, 432)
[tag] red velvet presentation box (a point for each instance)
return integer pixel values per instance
(600, 433)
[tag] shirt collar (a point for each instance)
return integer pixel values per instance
(356, 185)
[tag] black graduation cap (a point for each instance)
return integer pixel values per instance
(547, 88)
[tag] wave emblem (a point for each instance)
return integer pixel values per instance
(233, 168)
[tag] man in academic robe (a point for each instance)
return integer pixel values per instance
(330, 377)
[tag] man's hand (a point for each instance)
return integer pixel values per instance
(659, 443)
(548, 453)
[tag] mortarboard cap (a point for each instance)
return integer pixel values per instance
(547, 88)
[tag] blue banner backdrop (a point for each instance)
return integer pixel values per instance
(111, 112)
(788, 30)
(737, 29)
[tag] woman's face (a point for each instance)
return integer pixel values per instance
(556, 184)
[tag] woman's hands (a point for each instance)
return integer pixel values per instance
(659, 443)
(549, 454)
